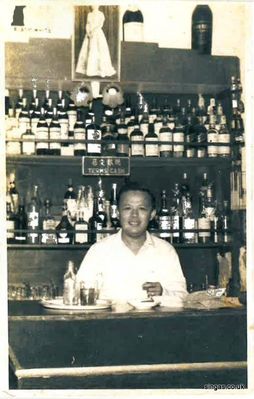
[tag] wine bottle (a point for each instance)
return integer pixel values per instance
(55, 134)
(48, 223)
(21, 224)
(42, 133)
(79, 131)
(70, 199)
(164, 218)
(93, 132)
(151, 142)
(137, 150)
(64, 229)
(70, 296)
(34, 217)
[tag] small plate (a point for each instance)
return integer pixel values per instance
(57, 303)
(143, 304)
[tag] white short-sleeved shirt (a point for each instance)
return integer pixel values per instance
(121, 273)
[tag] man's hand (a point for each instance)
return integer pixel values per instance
(153, 288)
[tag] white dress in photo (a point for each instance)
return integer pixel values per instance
(94, 57)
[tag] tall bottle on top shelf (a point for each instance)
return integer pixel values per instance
(133, 25)
(64, 229)
(42, 133)
(202, 26)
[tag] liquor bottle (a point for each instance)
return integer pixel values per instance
(166, 108)
(219, 115)
(224, 138)
(137, 149)
(131, 124)
(201, 134)
(28, 142)
(203, 189)
(59, 101)
(34, 217)
(216, 226)
(46, 100)
(190, 137)
(158, 123)
(237, 127)
(122, 148)
(210, 202)
(128, 110)
(10, 224)
(108, 140)
(204, 223)
(108, 225)
(42, 133)
(48, 223)
(133, 25)
(24, 117)
(35, 116)
(70, 199)
(13, 193)
(153, 110)
(226, 222)
(177, 107)
(189, 107)
(55, 134)
(72, 114)
(79, 132)
(49, 112)
(184, 188)
(114, 215)
(164, 218)
(212, 138)
(95, 224)
(21, 224)
(240, 102)
(33, 103)
(70, 296)
(144, 122)
(202, 25)
(151, 142)
(93, 132)
(201, 110)
(80, 229)
(64, 229)
(19, 103)
(165, 135)
(64, 124)
(212, 109)
(179, 134)
(188, 221)
(176, 213)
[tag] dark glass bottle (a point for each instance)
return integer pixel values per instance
(165, 134)
(55, 134)
(70, 199)
(64, 229)
(34, 217)
(108, 139)
(93, 132)
(95, 223)
(226, 222)
(42, 133)
(64, 123)
(48, 223)
(202, 25)
(21, 224)
(188, 221)
(122, 148)
(137, 149)
(164, 219)
(151, 142)
(79, 134)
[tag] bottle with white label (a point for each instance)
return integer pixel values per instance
(166, 135)
(133, 25)
(137, 149)
(178, 135)
(122, 147)
(164, 218)
(64, 230)
(70, 292)
(42, 133)
(151, 142)
(204, 223)
(48, 223)
(10, 223)
(28, 142)
(80, 229)
(79, 134)
(93, 132)
(64, 126)
(24, 118)
(224, 138)
(34, 217)
(70, 199)
(144, 122)
(55, 134)
(49, 111)
(189, 222)
(212, 138)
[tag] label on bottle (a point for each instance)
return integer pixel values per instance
(166, 136)
(164, 224)
(204, 223)
(152, 150)
(212, 137)
(201, 152)
(130, 130)
(10, 225)
(81, 238)
(33, 219)
(224, 150)
(133, 32)
(137, 149)
(55, 134)
(93, 134)
(79, 134)
(176, 225)
(42, 134)
(64, 127)
(144, 128)
(210, 212)
(28, 147)
(72, 115)
(63, 238)
(189, 224)
(178, 137)
(48, 238)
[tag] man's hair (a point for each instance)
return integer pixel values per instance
(134, 186)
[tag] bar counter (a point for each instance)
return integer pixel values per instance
(160, 348)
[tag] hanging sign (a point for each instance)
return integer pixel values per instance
(105, 166)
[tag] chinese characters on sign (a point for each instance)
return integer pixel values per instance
(107, 166)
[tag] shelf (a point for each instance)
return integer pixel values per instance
(51, 160)
(82, 247)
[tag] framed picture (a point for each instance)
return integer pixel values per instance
(96, 43)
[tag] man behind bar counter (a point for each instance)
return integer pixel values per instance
(134, 263)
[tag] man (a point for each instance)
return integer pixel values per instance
(133, 263)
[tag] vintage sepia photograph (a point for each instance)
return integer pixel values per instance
(126, 199)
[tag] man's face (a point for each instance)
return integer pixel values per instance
(135, 212)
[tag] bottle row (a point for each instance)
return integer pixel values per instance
(89, 216)
(171, 131)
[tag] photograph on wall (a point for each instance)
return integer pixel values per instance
(95, 52)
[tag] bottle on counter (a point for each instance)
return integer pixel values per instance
(80, 229)
(226, 222)
(95, 223)
(70, 291)
(165, 135)
(122, 147)
(224, 138)
(212, 138)
(202, 25)
(14, 194)
(137, 149)
(64, 124)
(204, 223)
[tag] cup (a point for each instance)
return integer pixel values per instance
(87, 294)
